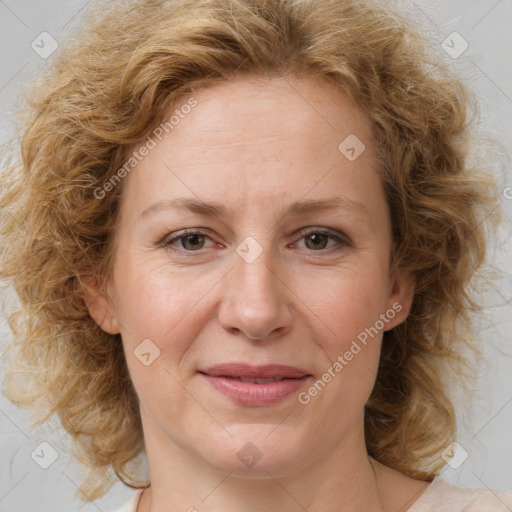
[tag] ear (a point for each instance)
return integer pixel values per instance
(400, 298)
(99, 304)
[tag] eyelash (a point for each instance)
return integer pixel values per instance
(341, 241)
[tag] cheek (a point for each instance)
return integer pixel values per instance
(171, 309)
(149, 298)
(346, 303)
(159, 324)
(167, 308)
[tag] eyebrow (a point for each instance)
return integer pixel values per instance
(216, 209)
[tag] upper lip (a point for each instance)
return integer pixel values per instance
(258, 372)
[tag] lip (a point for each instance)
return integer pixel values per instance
(261, 372)
(225, 378)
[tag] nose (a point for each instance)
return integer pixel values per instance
(256, 299)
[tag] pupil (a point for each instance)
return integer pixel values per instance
(194, 239)
(317, 237)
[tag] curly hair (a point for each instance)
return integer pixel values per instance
(106, 90)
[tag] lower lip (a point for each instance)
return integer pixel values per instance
(252, 394)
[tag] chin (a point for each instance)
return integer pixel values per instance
(255, 451)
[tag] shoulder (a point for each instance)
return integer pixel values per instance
(441, 496)
(131, 506)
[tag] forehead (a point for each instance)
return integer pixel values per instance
(260, 140)
(294, 107)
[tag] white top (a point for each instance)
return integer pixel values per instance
(440, 496)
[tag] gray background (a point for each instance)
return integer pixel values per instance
(485, 425)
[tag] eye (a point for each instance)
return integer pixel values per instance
(318, 239)
(189, 241)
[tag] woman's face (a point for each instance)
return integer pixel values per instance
(255, 233)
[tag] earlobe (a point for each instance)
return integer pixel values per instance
(401, 297)
(99, 304)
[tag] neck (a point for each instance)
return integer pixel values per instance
(343, 479)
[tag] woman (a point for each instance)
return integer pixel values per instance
(244, 236)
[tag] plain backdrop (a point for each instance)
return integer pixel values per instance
(484, 456)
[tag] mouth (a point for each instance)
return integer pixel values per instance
(269, 372)
(255, 385)
(254, 380)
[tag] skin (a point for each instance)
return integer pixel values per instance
(257, 145)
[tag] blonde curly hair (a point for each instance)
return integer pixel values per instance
(107, 89)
